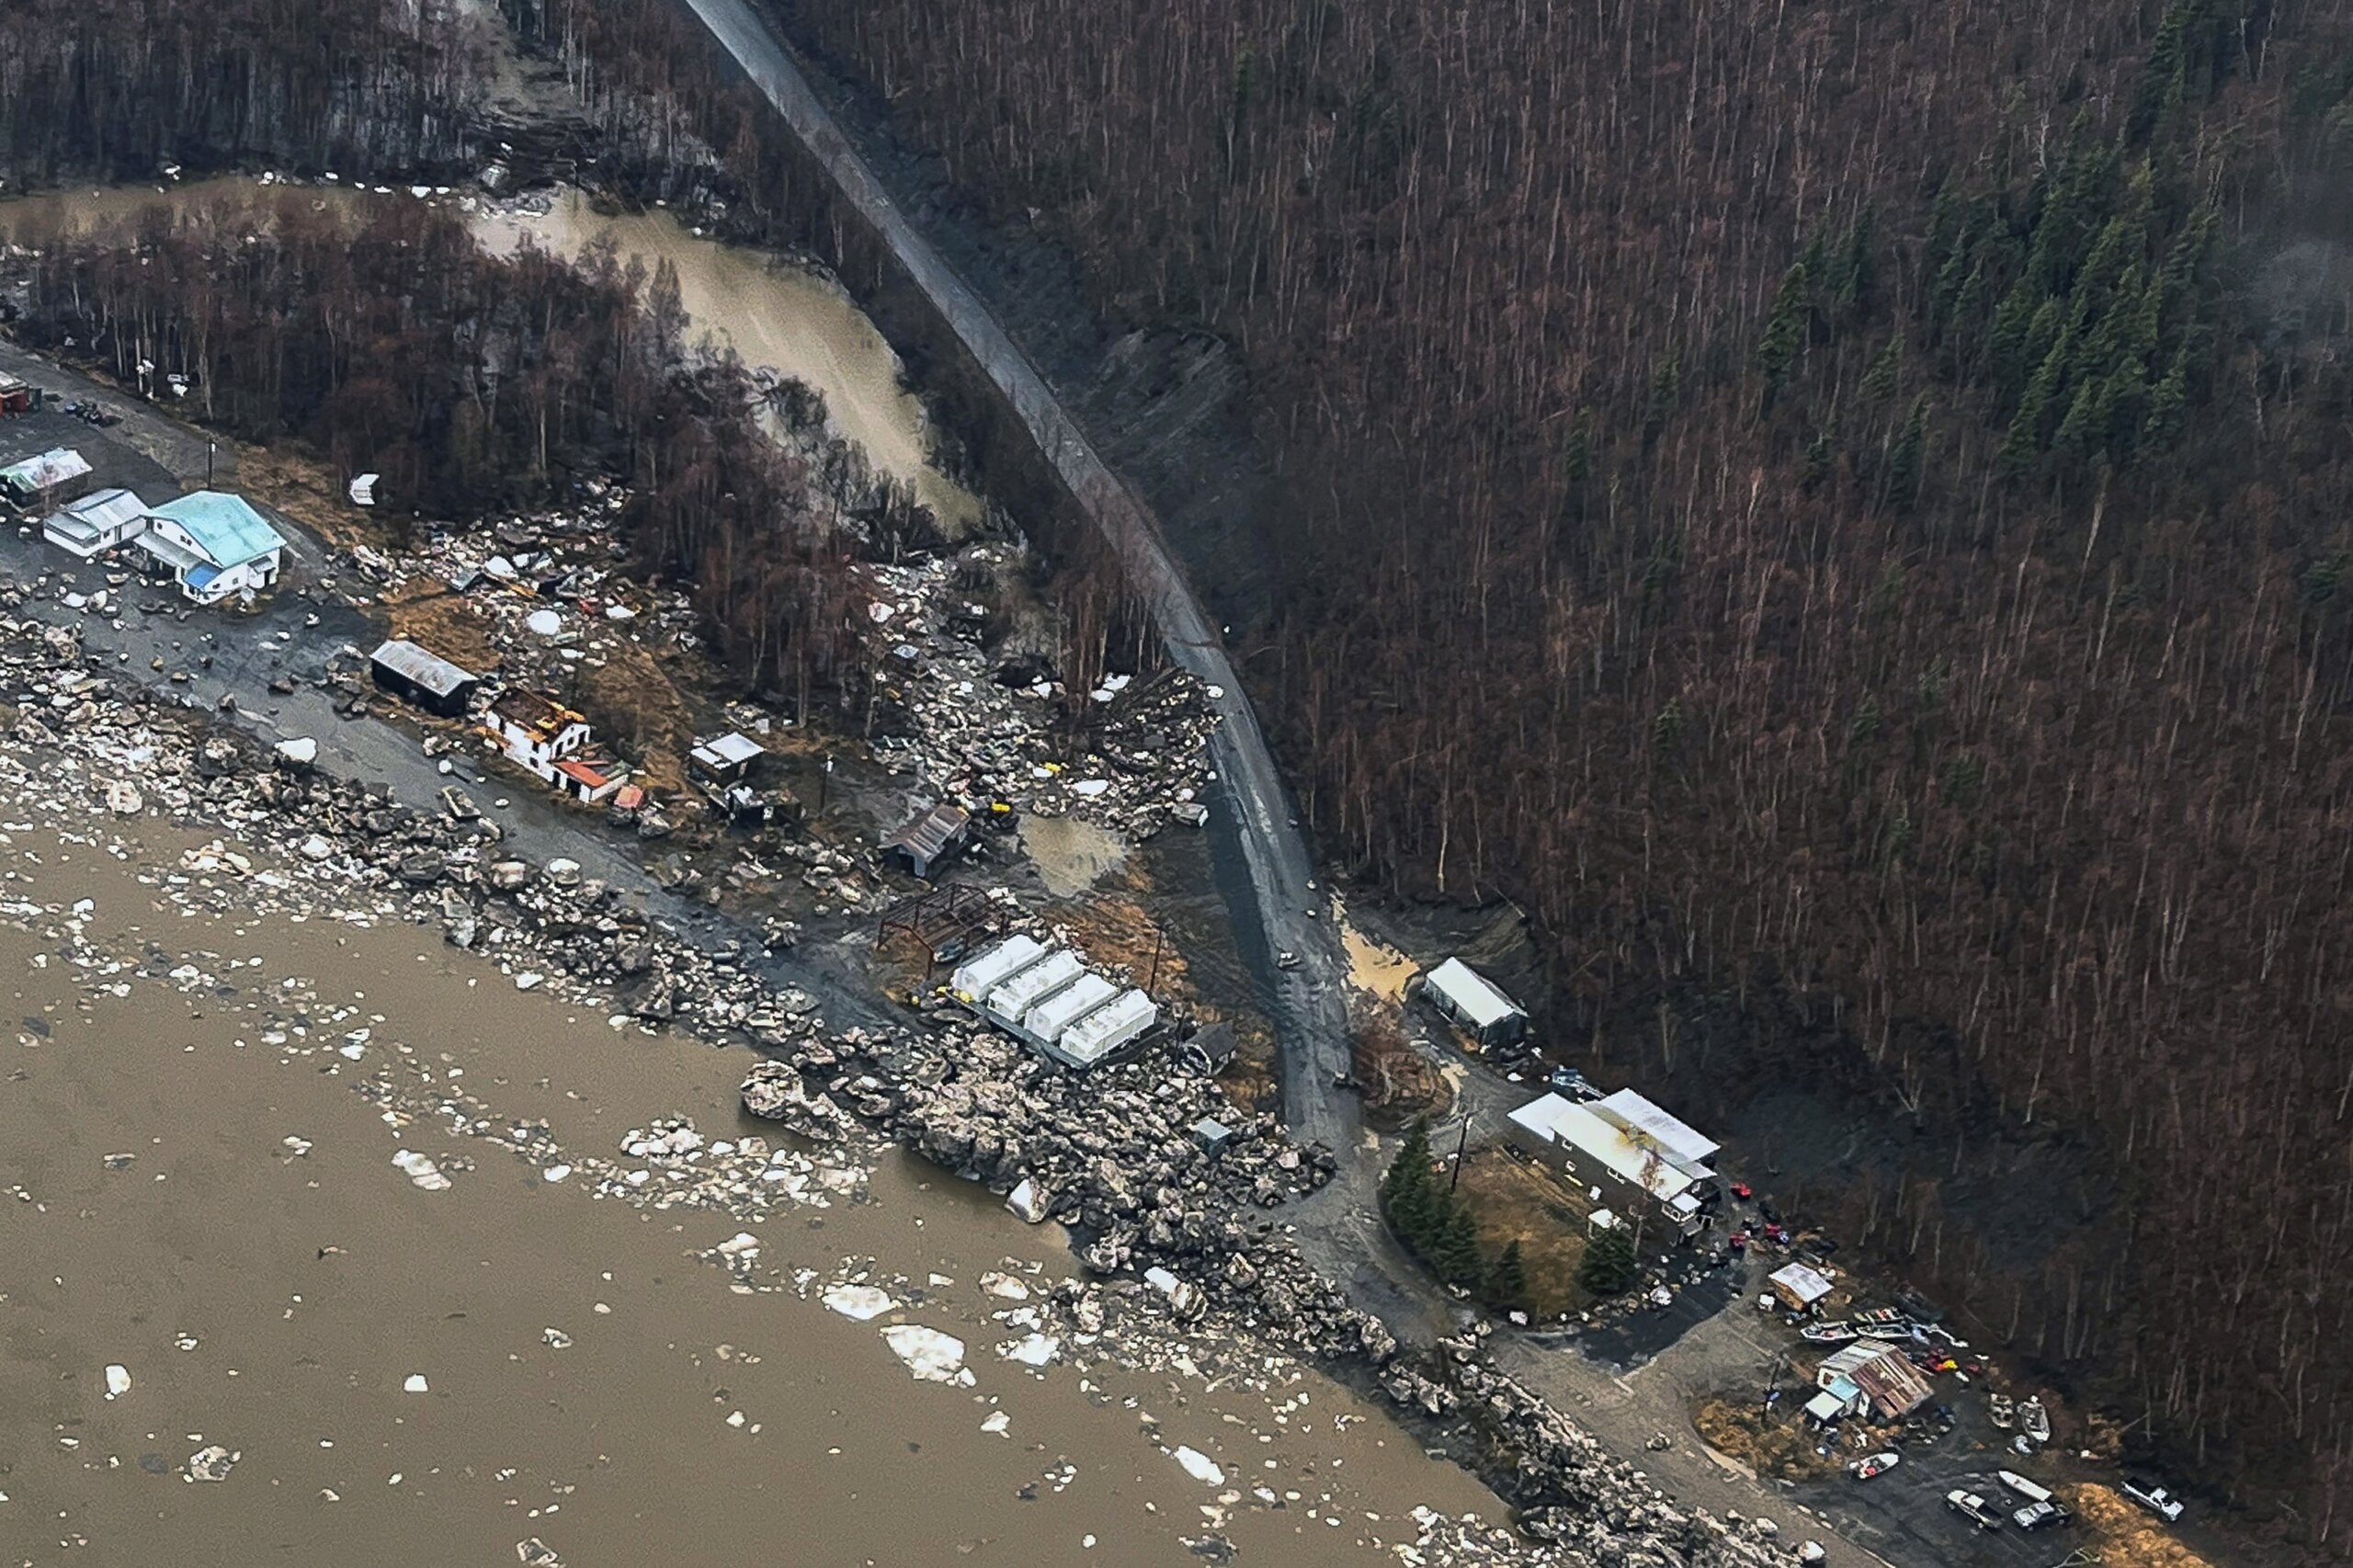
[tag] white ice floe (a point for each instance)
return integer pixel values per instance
(1200, 1467)
(421, 1171)
(118, 1381)
(932, 1356)
(859, 1302)
(1037, 1351)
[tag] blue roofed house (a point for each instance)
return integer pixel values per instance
(216, 545)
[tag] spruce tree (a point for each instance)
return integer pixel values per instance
(1408, 1191)
(1609, 1267)
(1454, 1248)
(1508, 1281)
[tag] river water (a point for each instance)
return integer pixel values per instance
(213, 1124)
(769, 311)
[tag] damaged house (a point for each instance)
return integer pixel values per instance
(1871, 1377)
(553, 741)
(926, 845)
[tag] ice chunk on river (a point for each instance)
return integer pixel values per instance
(932, 1356)
(859, 1302)
(1200, 1465)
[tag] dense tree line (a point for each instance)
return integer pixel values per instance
(1437, 1225)
(389, 341)
(1838, 509)
(117, 89)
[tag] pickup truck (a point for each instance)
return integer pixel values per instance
(1971, 1506)
(2156, 1499)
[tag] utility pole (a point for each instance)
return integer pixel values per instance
(823, 779)
(1460, 1145)
(1153, 981)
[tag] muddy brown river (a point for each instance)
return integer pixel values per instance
(343, 1216)
(769, 311)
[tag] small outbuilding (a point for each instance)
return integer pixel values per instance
(97, 523)
(1838, 1398)
(416, 674)
(16, 397)
(1474, 1003)
(926, 845)
(726, 759)
(54, 476)
(1799, 1286)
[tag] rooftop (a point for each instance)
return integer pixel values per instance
(1472, 993)
(421, 668)
(730, 750)
(529, 711)
(52, 467)
(931, 833)
(1648, 1123)
(1558, 1120)
(225, 527)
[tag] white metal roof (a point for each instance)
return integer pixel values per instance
(1638, 1115)
(1557, 1120)
(979, 976)
(422, 666)
(1806, 1284)
(1069, 1005)
(1109, 1028)
(1472, 995)
(1015, 997)
(728, 751)
(1825, 1405)
(106, 508)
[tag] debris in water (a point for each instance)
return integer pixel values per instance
(118, 1381)
(416, 1383)
(210, 1462)
(557, 1339)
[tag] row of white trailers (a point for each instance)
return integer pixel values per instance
(1048, 998)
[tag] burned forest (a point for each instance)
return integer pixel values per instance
(1839, 511)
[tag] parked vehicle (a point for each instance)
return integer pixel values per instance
(1971, 1506)
(2041, 1508)
(2156, 1499)
(2034, 1516)
(1870, 1465)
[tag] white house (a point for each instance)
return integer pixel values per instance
(1595, 1151)
(215, 544)
(535, 733)
(99, 521)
